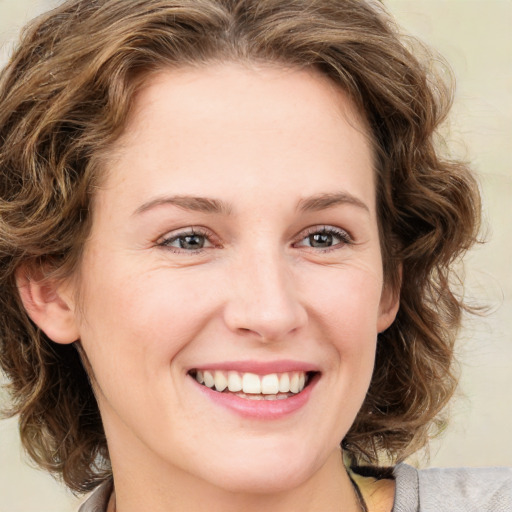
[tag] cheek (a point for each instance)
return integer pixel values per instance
(346, 310)
(137, 319)
(132, 331)
(348, 300)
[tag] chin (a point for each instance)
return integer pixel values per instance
(263, 471)
(260, 480)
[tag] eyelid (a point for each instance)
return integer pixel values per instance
(165, 240)
(171, 236)
(341, 233)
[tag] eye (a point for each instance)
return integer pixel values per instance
(191, 240)
(324, 238)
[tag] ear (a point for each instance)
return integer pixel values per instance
(48, 305)
(389, 304)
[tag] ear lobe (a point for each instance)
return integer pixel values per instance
(388, 309)
(47, 306)
(389, 305)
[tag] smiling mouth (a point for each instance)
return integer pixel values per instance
(273, 386)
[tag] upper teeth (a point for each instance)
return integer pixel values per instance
(271, 384)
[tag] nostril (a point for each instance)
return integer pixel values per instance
(246, 330)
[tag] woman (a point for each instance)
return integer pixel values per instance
(227, 237)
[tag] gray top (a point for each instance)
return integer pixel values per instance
(453, 489)
(426, 490)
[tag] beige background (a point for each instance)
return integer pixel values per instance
(476, 38)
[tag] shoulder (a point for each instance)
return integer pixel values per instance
(453, 489)
(98, 500)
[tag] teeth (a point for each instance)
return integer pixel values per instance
(294, 382)
(256, 397)
(251, 383)
(234, 382)
(284, 383)
(270, 384)
(221, 382)
(209, 381)
(269, 387)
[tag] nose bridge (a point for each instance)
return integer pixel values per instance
(265, 298)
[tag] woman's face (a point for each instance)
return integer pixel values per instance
(235, 240)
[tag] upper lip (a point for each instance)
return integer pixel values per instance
(260, 367)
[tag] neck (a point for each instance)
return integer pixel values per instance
(327, 489)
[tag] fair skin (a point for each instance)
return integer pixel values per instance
(236, 230)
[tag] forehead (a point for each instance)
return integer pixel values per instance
(245, 85)
(206, 128)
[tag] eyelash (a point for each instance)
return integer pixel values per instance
(341, 234)
(189, 232)
(345, 238)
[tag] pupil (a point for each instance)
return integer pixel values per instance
(192, 242)
(320, 240)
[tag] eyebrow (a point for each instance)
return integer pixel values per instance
(197, 204)
(324, 201)
(209, 205)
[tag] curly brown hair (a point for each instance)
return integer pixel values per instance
(64, 98)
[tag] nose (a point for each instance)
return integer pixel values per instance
(264, 298)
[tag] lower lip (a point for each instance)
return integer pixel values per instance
(260, 409)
